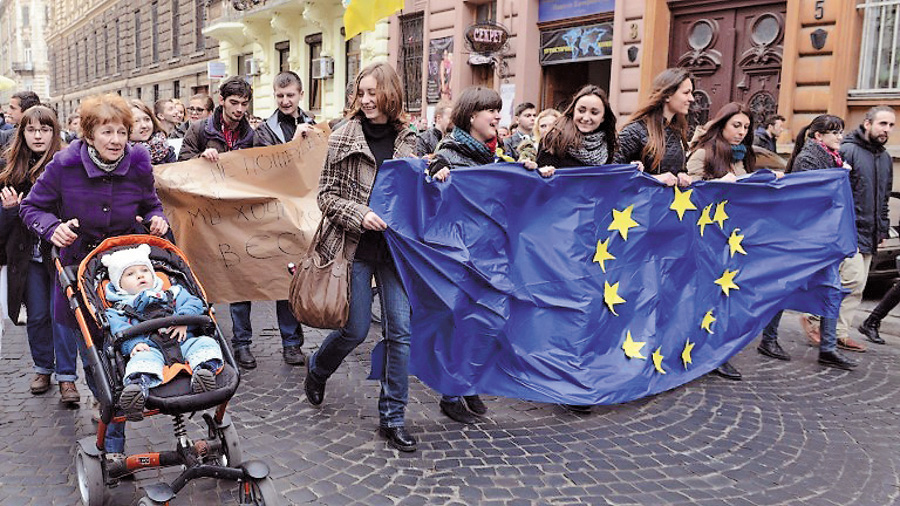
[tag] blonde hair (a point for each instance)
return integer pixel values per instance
(102, 110)
(535, 132)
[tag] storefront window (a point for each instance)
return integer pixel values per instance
(352, 61)
(879, 61)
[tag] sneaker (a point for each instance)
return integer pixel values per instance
(131, 402)
(203, 380)
(68, 393)
(849, 344)
(40, 383)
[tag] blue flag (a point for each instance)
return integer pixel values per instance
(600, 285)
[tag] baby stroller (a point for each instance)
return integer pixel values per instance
(218, 453)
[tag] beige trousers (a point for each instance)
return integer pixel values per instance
(854, 273)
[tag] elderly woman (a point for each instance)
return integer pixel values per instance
(96, 188)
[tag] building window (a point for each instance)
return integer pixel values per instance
(353, 59)
(315, 85)
(26, 16)
(106, 50)
(199, 17)
(155, 94)
(154, 37)
(96, 54)
(137, 40)
(139, 93)
(284, 53)
(486, 11)
(27, 49)
(118, 48)
(879, 60)
(176, 29)
(411, 45)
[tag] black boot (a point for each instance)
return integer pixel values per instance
(836, 360)
(869, 328)
(457, 411)
(476, 405)
(728, 371)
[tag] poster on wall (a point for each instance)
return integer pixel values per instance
(579, 43)
(554, 10)
(440, 69)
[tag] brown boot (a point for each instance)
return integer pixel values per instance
(68, 393)
(40, 383)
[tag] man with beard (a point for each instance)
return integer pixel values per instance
(871, 178)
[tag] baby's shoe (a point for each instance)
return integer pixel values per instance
(132, 402)
(203, 380)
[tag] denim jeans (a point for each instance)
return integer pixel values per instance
(291, 330)
(51, 351)
(827, 332)
(395, 313)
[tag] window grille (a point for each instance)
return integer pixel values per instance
(411, 48)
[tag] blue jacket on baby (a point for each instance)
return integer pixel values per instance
(185, 304)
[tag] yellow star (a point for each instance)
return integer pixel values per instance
(720, 215)
(611, 296)
(632, 348)
(708, 320)
(727, 281)
(602, 254)
(657, 361)
(704, 219)
(622, 221)
(734, 242)
(682, 203)
(686, 354)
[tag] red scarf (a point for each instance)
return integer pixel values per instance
(839, 162)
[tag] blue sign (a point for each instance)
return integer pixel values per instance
(554, 10)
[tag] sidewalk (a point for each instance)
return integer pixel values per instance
(790, 433)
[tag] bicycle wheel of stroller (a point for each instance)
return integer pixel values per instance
(90, 478)
(231, 443)
(263, 492)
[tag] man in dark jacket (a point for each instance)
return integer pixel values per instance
(525, 116)
(289, 122)
(428, 140)
(18, 104)
(766, 135)
(872, 180)
(226, 130)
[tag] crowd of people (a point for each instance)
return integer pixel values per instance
(103, 160)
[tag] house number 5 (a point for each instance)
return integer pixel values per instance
(820, 9)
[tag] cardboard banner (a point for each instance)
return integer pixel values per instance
(241, 220)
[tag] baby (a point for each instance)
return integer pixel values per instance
(136, 294)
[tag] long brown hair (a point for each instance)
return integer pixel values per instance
(564, 134)
(652, 114)
(821, 124)
(718, 150)
(19, 168)
(389, 94)
(141, 106)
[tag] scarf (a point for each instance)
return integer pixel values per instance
(593, 149)
(104, 166)
(482, 153)
(738, 152)
(158, 147)
(835, 156)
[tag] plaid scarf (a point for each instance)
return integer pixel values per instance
(479, 149)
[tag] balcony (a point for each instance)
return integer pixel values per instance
(22, 66)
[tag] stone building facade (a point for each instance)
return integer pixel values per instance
(148, 49)
(23, 49)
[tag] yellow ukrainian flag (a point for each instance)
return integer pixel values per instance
(361, 15)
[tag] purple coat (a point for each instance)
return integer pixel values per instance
(106, 204)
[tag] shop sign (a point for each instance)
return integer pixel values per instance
(486, 37)
(580, 43)
(554, 10)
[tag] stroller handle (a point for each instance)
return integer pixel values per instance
(159, 323)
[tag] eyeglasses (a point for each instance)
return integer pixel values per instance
(839, 133)
(44, 130)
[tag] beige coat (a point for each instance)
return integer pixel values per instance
(695, 165)
(346, 184)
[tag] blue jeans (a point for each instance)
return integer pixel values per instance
(291, 330)
(395, 312)
(51, 351)
(827, 330)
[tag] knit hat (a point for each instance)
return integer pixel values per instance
(120, 260)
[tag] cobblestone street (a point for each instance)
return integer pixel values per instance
(790, 433)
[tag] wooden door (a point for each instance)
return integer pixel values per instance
(735, 54)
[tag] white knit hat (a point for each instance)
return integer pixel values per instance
(120, 260)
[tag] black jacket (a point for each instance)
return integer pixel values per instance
(454, 155)
(270, 133)
(207, 133)
(871, 178)
(427, 141)
(17, 249)
(511, 144)
(634, 137)
(762, 139)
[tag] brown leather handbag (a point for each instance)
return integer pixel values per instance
(320, 292)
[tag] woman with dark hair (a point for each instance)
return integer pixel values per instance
(656, 135)
(723, 148)
(30, 271)
(817, 148)
(377, 129)
(147, 132)
(584, 135)
(98, 187)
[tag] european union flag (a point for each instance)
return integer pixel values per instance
(600, 285)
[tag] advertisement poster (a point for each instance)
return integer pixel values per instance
(440, 69)
(580, 43)
(554, 10)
